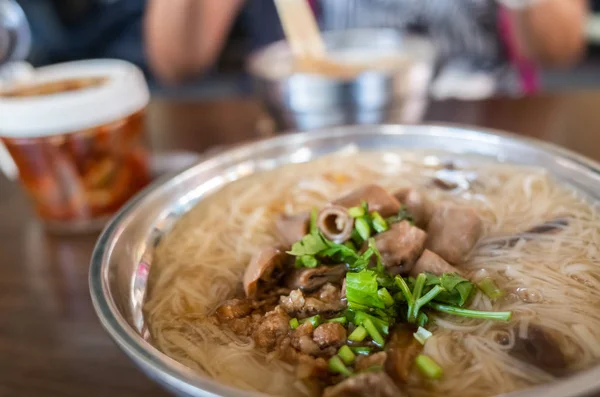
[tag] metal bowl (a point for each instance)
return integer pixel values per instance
(123, 254)
(308, 101)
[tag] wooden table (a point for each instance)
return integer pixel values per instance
(51, 343)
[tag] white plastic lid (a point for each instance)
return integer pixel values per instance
(124, 92)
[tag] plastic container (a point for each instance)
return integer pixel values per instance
(76, 134)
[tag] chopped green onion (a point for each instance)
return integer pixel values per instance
(419, 284)
(399, 297)
(382, 325)
(373, 332)
(341, 320)
(422, 335)
(362, 227)
(356, 212)
(400, 283)
(379, 224)
(385, 296)
(314, 320)
(294, 323)
(428, 368)
(489, 288)
(362, 350)
(337, 366)
(422, 319)
(349, 314)
(458, 311)
(314, 214)
(355, 237)
(357, 306)
(346, 355)
(365, 205)
(418, 290)
(384, 315)
(358, 335)
(373, 246)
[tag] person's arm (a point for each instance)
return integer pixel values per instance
(185, 37)
(550, 32)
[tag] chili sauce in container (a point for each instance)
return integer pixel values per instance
(75, 132)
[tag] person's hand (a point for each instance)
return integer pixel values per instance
(550, 32)
(184, 37)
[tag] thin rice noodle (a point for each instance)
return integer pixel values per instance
(552, 280)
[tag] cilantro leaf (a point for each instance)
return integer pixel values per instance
(362, 288)
(450, 280)
(315, 245)
(311, 244)
(379, 265)
(382, 325)
(432, 280)
(362, 262)
(465, 290)
(307, 261)
(402, 215)
(339, 252)
(457, 290)
(386, 281)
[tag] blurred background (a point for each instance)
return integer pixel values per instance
(64, 30)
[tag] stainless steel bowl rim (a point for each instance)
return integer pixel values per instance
(182, 379)
(305, 101)
(254, 59)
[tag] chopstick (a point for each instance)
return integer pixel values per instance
(300, 28)
(307, 45)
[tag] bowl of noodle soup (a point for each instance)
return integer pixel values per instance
(179, 249)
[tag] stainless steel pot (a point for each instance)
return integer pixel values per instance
(308, 101)
(123, 254)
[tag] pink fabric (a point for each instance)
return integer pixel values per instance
(527, 71)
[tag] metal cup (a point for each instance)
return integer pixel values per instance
(305, 101)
